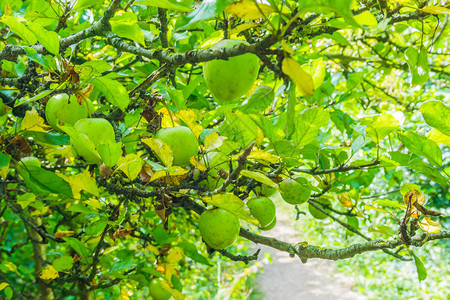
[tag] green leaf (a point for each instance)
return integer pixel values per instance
(83, 209)
(81, 141)
(389, 203)
(125, 24)
(167, 4)
(110, 153)
(421, 270)
(360, 142)
(191, 251)
(65, 262)
(96, 227)
(50, 138)
(428, 171)
(82, 4)
(341, 7)
(258, 177)
(232, 204)
(8, 293)
(205, 11)
(289, 128)
(239, 127)
(79, 247)
(437, 115)
(93, 68)
(423, 146)
(46, 181)
(418, 65)
(20, 29)
(381, 127)
(113, 90)
(48, 39)
(4, 160)
(307, 125)
(258, 101)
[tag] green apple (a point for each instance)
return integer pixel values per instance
(219, 228)
(271, 225)
(181, 141)
(157, 291)
(63, 110)
(263, 209)
(90, 133)
(230, 79)
(317, 213)
(293, 192)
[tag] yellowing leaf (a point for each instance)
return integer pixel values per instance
(302, 80)
(367, 19)
(4, 171)
(168, 118)
(213, 141)
(161, 149)
(249, 9)
(61, 234)
(82, 181)
(430, 226)
(436, 10)
(259, 154)
(410, 198)
(131, 165)
(258, 177)
(94, 203)
(189, 117)
(345, 199)
(174, 175)
(25, 199)
(33, 122)
(233, 204)
(48, 273)
(438, 137)
(242, 27)
(152, 249)
(366, 207)
(175, 255)
(198, 164)
(286, 47)
(3, 285)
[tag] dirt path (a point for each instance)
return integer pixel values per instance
(289, 279)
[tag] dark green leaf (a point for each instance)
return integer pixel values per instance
(51, 138)
(4, 160)
(79, 247)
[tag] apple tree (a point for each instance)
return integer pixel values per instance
(134, 134)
